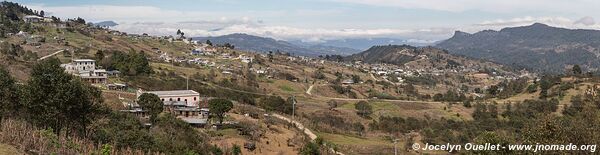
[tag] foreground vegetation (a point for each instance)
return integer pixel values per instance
(54, 102)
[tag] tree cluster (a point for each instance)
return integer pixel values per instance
(363, 108)
(276, 103)
(132, 63)
(450, 96)
(52, 99)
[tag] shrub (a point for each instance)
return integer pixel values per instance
(363, 108)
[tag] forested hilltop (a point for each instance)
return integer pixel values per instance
(536, 47)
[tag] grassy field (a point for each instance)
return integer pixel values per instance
(414, 109)
(357, 145)
(286, 88)
(357, 141)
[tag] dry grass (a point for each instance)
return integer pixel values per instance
(414, 109)
(7, 149)
(273, 141)
(24, 137)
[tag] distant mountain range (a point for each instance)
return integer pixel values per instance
(106, 24)
(263, 44)
(342, 47)
(365, 43)
(419, 57)
(537, 47)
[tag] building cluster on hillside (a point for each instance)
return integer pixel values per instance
(86, 70)
(386, 70)
(203, 49)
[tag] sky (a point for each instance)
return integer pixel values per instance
(319, 20)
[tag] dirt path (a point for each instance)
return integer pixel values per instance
(372, 76)
(50, 55)
(309, 90)
(307, 131)
(275, 141)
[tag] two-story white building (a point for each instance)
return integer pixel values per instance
(181, 103)
(86, 70)
(187, 98)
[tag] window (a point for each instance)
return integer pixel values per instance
(162, 99)
(194, 98)
(170, 99)
(178, 99)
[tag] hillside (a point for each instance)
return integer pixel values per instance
(419, 57)
(380, 101)
(536, 47)
(106, 24)
(363, 43)
(261, 44)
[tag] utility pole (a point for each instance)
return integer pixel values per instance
(293, 107)
(396, 146)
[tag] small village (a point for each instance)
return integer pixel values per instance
(83, 86)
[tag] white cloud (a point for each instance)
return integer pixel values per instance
(157, 21)
(525, 21)
(133, 13)
(498, 6)
(586, 21)
(206, 28)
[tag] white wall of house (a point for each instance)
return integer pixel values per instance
(85, 65)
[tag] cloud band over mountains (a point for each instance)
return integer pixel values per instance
(158, 21)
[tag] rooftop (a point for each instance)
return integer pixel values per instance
(174, 93)
(33, 16)
(83, 60)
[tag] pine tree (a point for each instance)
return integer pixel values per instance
(577, 70)
(9, 99)
(55, 100)
(151, 104)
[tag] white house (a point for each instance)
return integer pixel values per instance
(86, 70)
(348, 82)
(261, 71)
(226, 56)
(245, 59)
(184, 104)
(382, 73)
(187, 98)
(32, 19)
